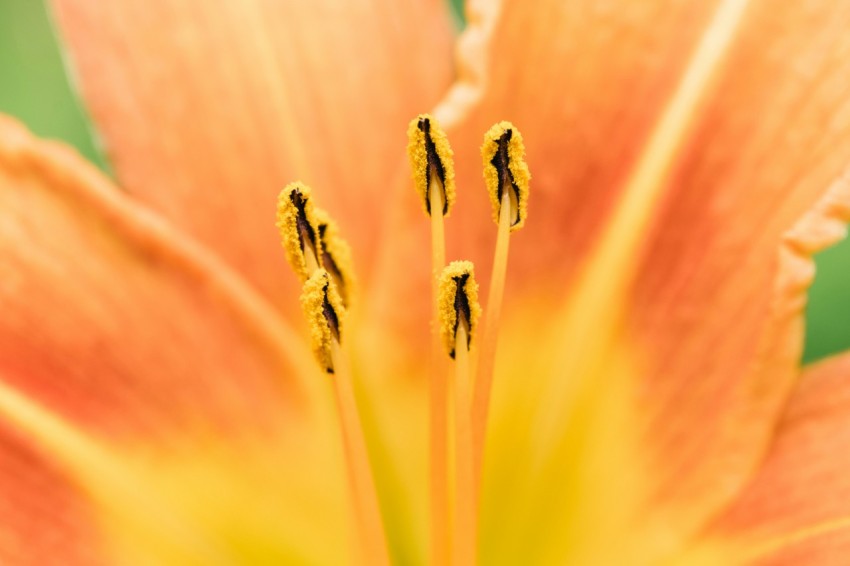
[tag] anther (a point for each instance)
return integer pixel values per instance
(336, 255)
(296, 221)
(325, 314)
(503, 154)
(457, 301)
(431, 161)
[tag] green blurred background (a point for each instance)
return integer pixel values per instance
(35, 88)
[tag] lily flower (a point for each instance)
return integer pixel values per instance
(159, 402)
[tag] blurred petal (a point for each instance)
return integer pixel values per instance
(713, 274)
(152, 375)
(584, 81)
(795, 510)
(116, 320)
(759, 187)
(584, 123)
(209, 108)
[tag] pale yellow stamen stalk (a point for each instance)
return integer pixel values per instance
(487, 356)
(367, 514)
(303, 229)
(438, 398)
(432, 171)
(459, 312)
(507, 177)
(465, 524)
(326, 316)
(438, 238)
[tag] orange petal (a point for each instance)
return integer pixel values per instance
(758, 185)
(795, 510)
(736, 197)
(208, 110)
(118, 322)
(584, 82)
(152, 375)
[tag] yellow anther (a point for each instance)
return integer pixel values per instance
(457, 302)
(336, 255)
(503, 154)
(325, 314)
(296, 221)
(431, 161)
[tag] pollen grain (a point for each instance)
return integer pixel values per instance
(298, 228)
(503, 155)
(325, 314)
(457, 302)
(431, 161)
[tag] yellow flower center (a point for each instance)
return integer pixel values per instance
(320, 257)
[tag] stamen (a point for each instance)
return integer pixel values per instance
(325, 313)
(336, 256)
(459, 313)
(298, 229)
(507, 177)
(503, 154)
(432, 169)
(465, 527)
(431, 162)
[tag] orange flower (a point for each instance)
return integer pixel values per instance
(158, 400)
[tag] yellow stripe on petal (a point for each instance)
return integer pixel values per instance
(587, 485)
(598, 295)
(199, 502)
(651, 173)
(109, 480)
(585, 350)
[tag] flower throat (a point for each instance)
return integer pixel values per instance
(458, 396)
